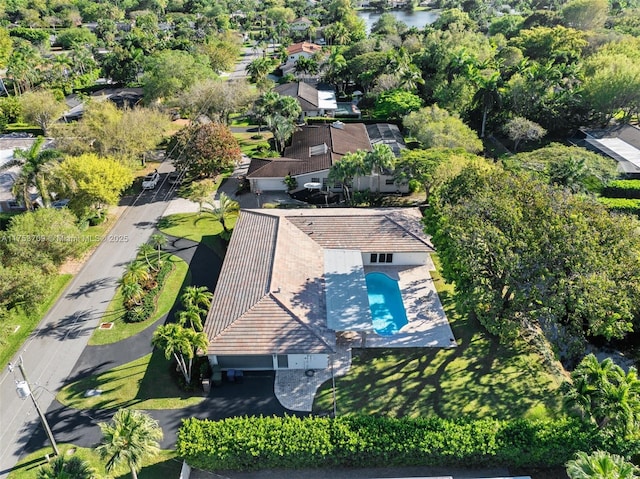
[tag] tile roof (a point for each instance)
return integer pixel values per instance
(270, 297)
(298, 158)
(306, 94)
(301, 47)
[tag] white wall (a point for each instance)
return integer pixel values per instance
(267, 184)
(308, 361)
(411, 259)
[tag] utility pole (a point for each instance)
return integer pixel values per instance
(23, 389)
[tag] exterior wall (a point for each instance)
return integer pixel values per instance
(311, 177)
(270, 362)
(267, 184)
(399, 259)
(371, 183)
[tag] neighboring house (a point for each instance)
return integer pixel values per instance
(622, 143)
(313, 102)
(8, 173)
(293, 279)
(300, 24)
(314, 149)
(298, 50)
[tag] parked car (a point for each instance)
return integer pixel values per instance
(58, 204)
(174, 178)
(151, 181)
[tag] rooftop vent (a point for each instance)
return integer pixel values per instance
(318, 149)
(338, 124)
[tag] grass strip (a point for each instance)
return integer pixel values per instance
(18, 325)
(165, 464)
(146, 383)
(175, 281)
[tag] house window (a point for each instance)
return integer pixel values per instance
(283, 361)
(381, 257)
(389, 182)
(315, 180)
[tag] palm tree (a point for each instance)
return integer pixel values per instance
(146, 250)
(282, 129)
(343, 172)
(35, 165)
(136, 272)
(225, 206)
(131, 437)
(132, 293)
(181, 343)
(259, 68)
(380, 160)
(197, 296)
(487, 94)
(191, 318)
(159, 241)
(62, 467)
(600, 465)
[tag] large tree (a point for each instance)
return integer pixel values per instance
(526, 256)
(92, 182)
(169, 73)
(130, 438)
(106, 130)
(434, 127)
(204, 150)
(430, 168)
(572, 167)
(41, 108)
(218, 99)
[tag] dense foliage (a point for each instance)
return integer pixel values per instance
(248, 443)
(526, 256)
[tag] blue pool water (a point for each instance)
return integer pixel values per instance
(385, 301)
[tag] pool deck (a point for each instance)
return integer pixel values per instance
(428, 326)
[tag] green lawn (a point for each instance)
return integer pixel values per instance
(15, 329)
(175, 281)
(248, 145)
(202, 228)
(479, 378)
(164, 465)
(145, 383)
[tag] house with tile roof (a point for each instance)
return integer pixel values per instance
(315, 148)
(293, 279)
(296, 51)
(313, 102)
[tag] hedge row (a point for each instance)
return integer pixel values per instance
(622, 205)
(148, 306)
(250, 443)
(622, 189)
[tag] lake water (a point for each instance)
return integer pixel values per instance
(418, 19)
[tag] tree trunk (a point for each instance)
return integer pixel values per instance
(484, 121)
(134, 473)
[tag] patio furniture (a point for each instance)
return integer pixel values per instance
(231, 375)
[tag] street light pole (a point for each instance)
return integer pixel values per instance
(23, 389)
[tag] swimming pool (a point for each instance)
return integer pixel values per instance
(385, 302)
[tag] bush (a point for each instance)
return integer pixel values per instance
(144, 311)
(622, 189)
(37, 37)
(250, 443)
(622, 205)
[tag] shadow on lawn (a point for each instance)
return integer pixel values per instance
(479, 378)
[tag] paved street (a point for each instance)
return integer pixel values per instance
(54, 347)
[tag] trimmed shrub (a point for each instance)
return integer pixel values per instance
(622, 205)
(250, 443)
(622, 189)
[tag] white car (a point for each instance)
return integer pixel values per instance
(150, 181)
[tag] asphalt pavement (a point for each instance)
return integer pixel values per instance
(52, 350)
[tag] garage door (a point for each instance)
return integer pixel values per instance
(256, 363)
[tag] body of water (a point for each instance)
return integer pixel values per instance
(418, 19)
